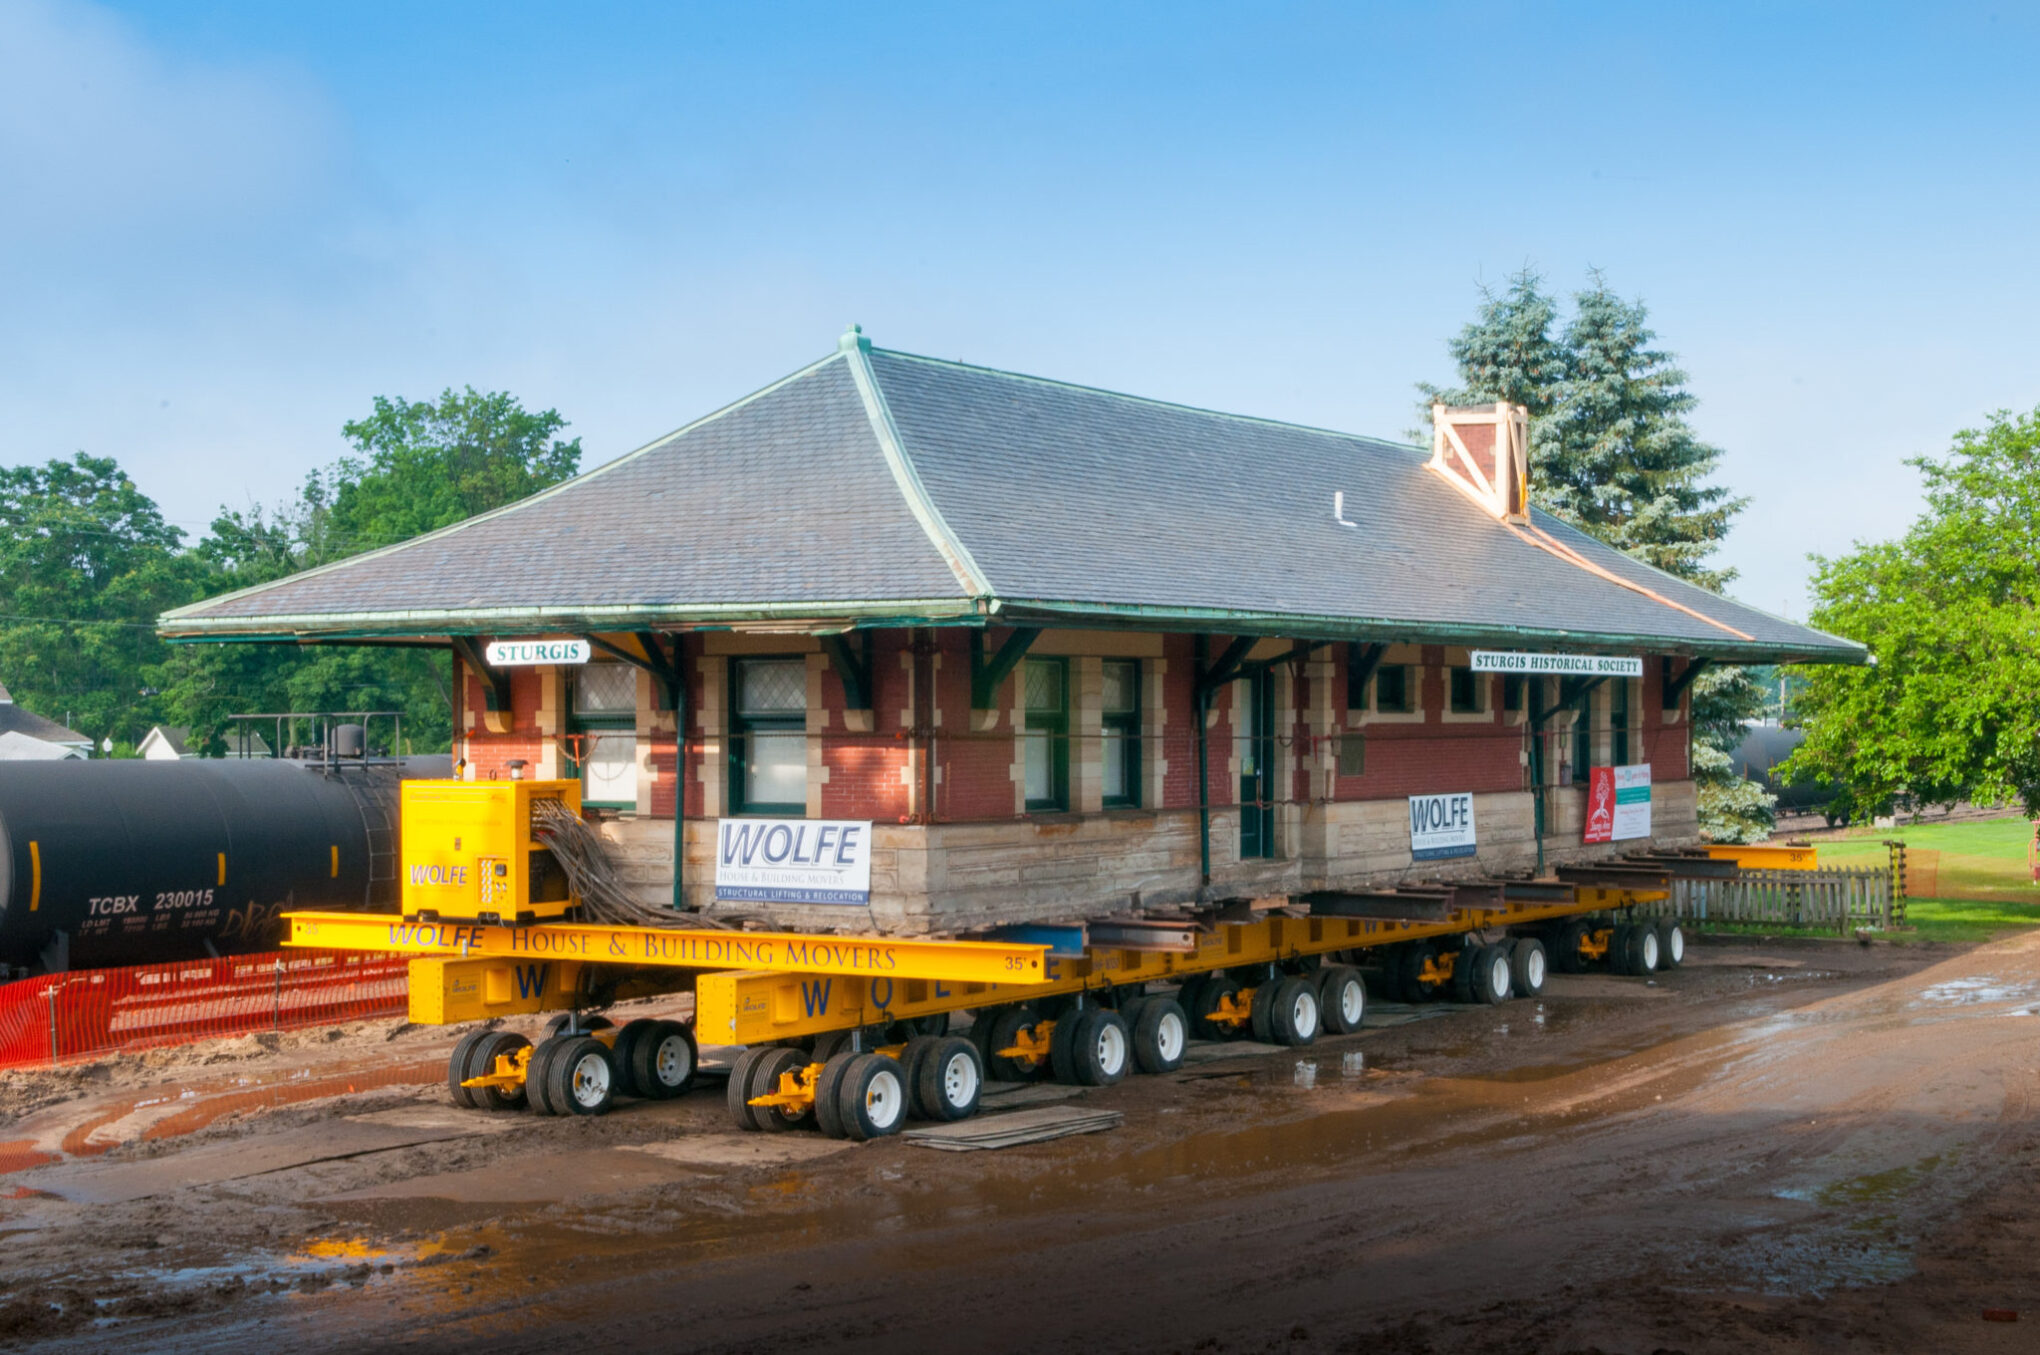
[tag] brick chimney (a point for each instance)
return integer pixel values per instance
(1484, 450)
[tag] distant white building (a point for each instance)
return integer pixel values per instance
(28, 737)
(167, 743)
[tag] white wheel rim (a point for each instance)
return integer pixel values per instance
(672, 1060)
(1650, 950)
(591, 1079)
(883, 1101)
(1533, 970)
(1675, 944)
(1170, 1036)
(1303, 1014)
(1498, 973)
(1111, 1049)
(1352, 1001)
(960, 1079)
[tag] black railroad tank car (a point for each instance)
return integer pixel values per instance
(133, 862)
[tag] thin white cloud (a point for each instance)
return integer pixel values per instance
(102, 134)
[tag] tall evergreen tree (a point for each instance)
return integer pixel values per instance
(1611, 452)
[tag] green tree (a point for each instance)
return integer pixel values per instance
(416, 466)
(86, 564)
(1947, 710)
(1611, 452)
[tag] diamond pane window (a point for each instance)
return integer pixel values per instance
(605, 689)
(1044, 687)
(772, 686)
(1119, 728)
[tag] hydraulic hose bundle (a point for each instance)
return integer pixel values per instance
(585, 859)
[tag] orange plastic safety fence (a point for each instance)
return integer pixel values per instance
(60, 1017)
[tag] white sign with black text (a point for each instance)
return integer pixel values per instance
(527, 653)
(1441, 826)
(793, 861)
(1566, 665)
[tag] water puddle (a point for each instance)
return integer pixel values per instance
(1967, 992)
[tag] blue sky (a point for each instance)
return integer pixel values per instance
(224, 228)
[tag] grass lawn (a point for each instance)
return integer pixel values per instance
(1983, 864)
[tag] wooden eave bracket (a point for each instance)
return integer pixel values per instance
(1675, 687)
(986, 676)
(1227, 667)
(1570, 690)
(852, 664)
(495, 682)
(1361, 661)
(665, 670)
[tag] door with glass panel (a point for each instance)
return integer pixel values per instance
(768, 737)
(603, 721)
(1257, 768)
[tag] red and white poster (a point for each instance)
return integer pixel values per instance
(1618, 803)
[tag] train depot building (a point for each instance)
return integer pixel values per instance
(933, 650)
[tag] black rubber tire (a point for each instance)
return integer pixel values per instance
(765, 1080)
(1494, 980)
(934, 1024)
(536, 1086)
(620, 1050)
(664, 1060)
(558, 1024)
(910, 1059)
(1463, 965)
(1161, 1034)
(868, 1107)
(950, 1080)
(1622, 949)
(1645, 952)
(1188, 996)
(1260, 1008)
(1006, 1025)
(1062, 1044)
(1342, 999)
(831, 1043)
(1209, 995)
(466, 1098)
(828, 1094)
(1671, 943)
(1410, 966)
(1294, 1017)
(1564, 946)
(1528, 966)
(1101, 1047)
(563, 1087)
(482, 1061)
(1130, 1007)
(737, 1092)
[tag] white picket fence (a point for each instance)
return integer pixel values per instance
(1840, 900)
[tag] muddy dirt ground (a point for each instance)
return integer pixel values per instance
(1782, 1146)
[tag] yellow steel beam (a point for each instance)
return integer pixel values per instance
(891, 958)
(753, 1007)
(1766, 855)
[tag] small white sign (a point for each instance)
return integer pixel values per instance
(1441, 826)
(1568, 665)
(793, 861)
(1632, 802)
(526, 653)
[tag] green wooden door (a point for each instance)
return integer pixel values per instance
(1257, 769)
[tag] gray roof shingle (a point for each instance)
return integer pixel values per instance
(881, 485)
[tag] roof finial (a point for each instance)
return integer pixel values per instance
(853, 338)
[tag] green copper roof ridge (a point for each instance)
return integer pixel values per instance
(1261, 420)
(900, 462)
(464, 523)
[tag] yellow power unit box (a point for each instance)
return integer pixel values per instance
(471, 853)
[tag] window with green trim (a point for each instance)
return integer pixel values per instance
(1467, 691)
(1119, 728)
(768, 736)
(602, 718)
(1392, 694)
(1045, 689)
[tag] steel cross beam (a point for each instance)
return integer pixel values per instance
(675, 948)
